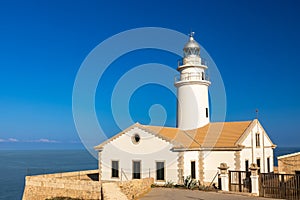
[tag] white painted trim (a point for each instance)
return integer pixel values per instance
(246, 133)
(288, 155)
(265, 133)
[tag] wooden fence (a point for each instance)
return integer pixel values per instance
(284, 186)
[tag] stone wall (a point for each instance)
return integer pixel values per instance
(80, 184)
(135, 188)
(289, 164)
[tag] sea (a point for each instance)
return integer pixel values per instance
(16, 164)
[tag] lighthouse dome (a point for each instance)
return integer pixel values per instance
(191, 47)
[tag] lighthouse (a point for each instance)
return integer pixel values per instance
(196, 147)
(192, 88)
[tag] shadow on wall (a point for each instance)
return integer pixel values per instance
(94, 177)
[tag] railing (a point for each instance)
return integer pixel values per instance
(193, 60)
(239, 181)
(123, 174)
(192, 76)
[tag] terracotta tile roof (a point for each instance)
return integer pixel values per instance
(213, 135)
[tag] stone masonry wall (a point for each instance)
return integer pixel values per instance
(135, 188)
(79, 184)
(289, 164)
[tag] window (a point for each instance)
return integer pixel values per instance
(160, 171)
(115, 169)
(203, 75)
(193, 169)
(136, 173)
(268, 165)
(258, 164)
(136, 138)
(257, 139)
(206, 112)
(246, 165)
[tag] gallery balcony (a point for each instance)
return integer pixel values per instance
(192, 76)
(192, 61)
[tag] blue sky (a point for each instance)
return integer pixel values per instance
(255, 45)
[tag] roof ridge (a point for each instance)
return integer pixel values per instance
(232, 121)
(195, 128)
(159, 126)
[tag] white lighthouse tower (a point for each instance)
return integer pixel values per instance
(192, 88)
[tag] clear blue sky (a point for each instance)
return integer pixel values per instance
(255, 45)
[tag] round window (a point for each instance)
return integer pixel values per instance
(136, 138)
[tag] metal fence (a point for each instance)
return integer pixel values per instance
(239, 181)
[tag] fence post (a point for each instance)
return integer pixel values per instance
(224, 176)
(254, 178)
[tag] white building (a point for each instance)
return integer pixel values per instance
(196, 148)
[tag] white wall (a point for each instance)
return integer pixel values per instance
(148, 150)
(246, 154)
(151, 149)
(188, 157)
(252, 153)
(212, 161)
(192, 104)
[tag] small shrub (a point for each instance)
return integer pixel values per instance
(154, 185)
(202, 187)
(179, 186)
(169, 184)
(190, 183)
(207, 188)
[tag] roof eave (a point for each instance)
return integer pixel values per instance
(245, 134)
(100, 146)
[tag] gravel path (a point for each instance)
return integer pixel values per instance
(111, 191)
(181, 194)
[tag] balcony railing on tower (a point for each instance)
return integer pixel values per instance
(193, 61)
(192, 76)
